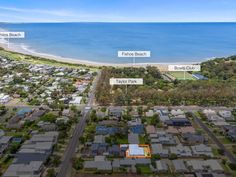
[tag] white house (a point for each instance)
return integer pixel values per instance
(4, 98)
(76, 100)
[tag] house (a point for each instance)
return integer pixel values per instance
(115, 112)
(134, 122)
(202, 150)
(127, 162)
(187, 129)
(116, 164)
(99, 139)
(227, 115)
(143, 161)
(46, 126)
(232, 135)
(135, 150)
(195, 165)
(177, 112)
(172, 130)
(214, 118)
(99, 163)
(4, 143)
(68, 113)
(179, 166)
(98, 149)
(114, 150)
(105, 130)
(150, 129)
(133, 138)
(76, 100)
(150, 113)
(178, 122)
(33, 168)
(204, 166)
(137, 129)
(4, 98)
(162, 138)
(33, 153)
(35, 115)
(193, 138)
(24, 112)
(181, 151)
(163, 114)
(158, 149)
(161, 166)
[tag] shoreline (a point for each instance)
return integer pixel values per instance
(22, 49)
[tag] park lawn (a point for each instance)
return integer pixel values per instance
(179, 75)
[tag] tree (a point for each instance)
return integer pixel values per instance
(221, 151)
(14, 147)
(51, 172)
(49, 117)
(173, 156)
(155, 120)
(77, 163)
(140, 110)
(93, 116)
(56, 160)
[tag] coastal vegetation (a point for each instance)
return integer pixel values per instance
(219, 89)
(39, 60)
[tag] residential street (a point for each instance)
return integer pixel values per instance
(66, 165)
(227, 153)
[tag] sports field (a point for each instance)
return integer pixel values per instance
(179, 75)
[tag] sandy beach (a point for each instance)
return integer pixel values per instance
(25, 50)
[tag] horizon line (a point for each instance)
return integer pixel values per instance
(122, 22)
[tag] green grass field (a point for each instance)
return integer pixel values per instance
(180, 75)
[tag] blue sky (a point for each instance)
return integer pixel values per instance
(117, 11)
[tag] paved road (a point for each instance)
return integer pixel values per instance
(227, 153)
(66, 165)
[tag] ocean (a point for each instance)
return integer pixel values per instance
(100, 42)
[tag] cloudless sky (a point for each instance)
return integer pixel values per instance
(117, 10)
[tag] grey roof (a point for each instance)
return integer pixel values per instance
(99, 158)
(162, 138)
(99, 165)
(161, 165)
(158, 149)
(24, 170)
(202, 149)
(127, 162)
(142, 161)
(201, 165)
(116, 163)
(179, 166)
(24, 158)
(180, 150)
(193, 138)
(99, 139)
(5, 139)
(196, 165)
(214, 165)
(133, 138)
